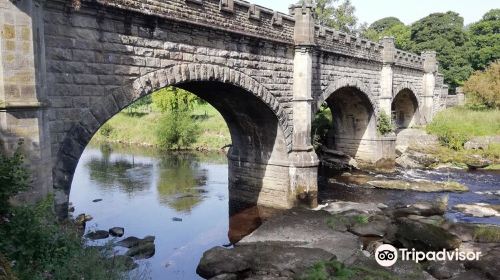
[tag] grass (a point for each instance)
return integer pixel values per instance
(457, 125)
(326, 270)
(140, 129)
(488, 234)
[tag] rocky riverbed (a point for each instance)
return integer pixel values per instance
(341, 238)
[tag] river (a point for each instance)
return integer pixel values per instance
(148, 193)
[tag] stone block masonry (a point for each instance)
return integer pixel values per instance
(65, 72)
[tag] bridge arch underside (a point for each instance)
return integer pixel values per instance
(258, 158)
(405, 109)
(353, 129)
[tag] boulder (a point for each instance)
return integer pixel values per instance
(376, 227)
(129, 242)
(476, 162)
(444, 269)
(143, 250)
(267, 259)
(310, 229)
(481, 142)
(421, 209)
(404, 161)
(425, 236)
(125, 261)
(479, 210)
(344, 206)
(98, 234)
(117, 231)
(487, 264)
(133, 241)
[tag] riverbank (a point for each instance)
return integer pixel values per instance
(139, 129)
(340, 241)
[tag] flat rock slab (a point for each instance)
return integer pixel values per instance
(478, 210)
(420, 186)
(308, 229)
(272, 260)
(345, 206)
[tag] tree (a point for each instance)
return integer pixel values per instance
(339, 17)
(392, 27)
(483, 88)
(385, 23)
(174, 99)
(444, 33)
(485, 40)
(176, 128)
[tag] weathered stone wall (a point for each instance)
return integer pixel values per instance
(95, 50)
(236, 17)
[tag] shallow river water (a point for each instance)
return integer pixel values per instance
(143, 191)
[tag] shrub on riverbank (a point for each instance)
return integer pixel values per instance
(39, 247)
(455, 126)
(483, 88)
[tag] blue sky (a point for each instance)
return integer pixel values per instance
(407, 11)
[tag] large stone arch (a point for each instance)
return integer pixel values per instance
(347, 83)
(405, 105)
(119, 98)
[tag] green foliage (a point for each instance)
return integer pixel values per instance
(13, 178)
(361, 219)
(340, 17)
(322, 123)
(44, 249)
(106, 130)
(176, 129)
(400, 32)
(384, 125)
(485, 40)
(143, 105)
(455, 126)
(333, 269)
(483, 88)
(385, 23)
(174, 99)
(444, 33)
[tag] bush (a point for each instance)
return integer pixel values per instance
(177, 129)
(106, 130)
(384, 125)
(483, 88)
(13, 178)
(42, 248)
(322, 123)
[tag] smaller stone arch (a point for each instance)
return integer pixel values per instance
(346, 83)
(405, 106)
(408, 86)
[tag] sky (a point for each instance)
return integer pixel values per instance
(408, 11)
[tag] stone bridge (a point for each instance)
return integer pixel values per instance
(64, 71)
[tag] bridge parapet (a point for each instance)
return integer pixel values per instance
(408, 59)
(331, 40)
(235, 16)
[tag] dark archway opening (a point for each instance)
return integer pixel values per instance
(404, 110)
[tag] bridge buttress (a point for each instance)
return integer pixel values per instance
(23, 117)
(304, 161)
(387, 74)
(429, 85)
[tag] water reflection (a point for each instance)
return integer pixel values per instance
(182, 181)
(142, 190)
(120, 173)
